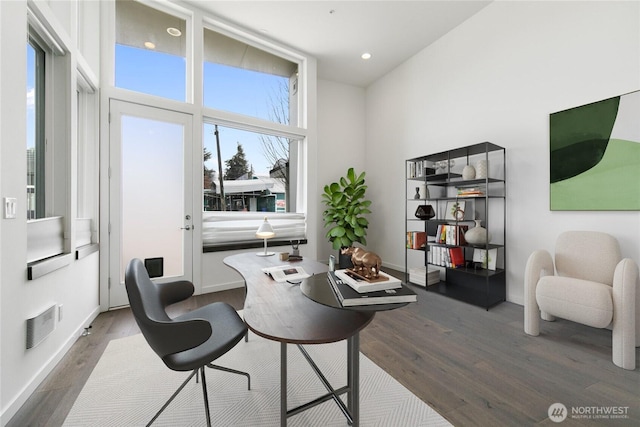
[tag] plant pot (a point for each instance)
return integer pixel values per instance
(344, 261)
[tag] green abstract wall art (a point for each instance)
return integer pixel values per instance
(595, 156)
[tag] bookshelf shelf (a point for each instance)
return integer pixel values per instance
(479, 277)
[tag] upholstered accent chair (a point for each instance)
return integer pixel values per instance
(189, 342)
(589, 283)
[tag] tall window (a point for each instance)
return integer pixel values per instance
(35, 130)
(248, 87)
(48, 142)
(150, 51)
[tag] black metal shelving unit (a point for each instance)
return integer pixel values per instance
(472, 283)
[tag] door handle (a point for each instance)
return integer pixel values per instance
(188, 227)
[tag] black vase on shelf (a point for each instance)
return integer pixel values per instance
(425, 212)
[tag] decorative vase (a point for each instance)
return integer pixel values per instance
(425, 212)
(424, 191)
(477, 235)
(417, 196)
(469, 172)
(482, 169)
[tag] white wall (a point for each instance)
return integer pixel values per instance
(497, 77)
(74, 286)
(341, 144)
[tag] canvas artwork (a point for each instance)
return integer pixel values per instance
(595, 155)
(455, 210)
(488, 258)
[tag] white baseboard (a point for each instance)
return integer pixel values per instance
(14, 406)
(206, 289)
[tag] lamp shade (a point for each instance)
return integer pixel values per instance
(265, 231)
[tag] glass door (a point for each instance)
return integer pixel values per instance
(150, 192)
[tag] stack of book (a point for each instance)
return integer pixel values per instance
(470, 192)
(451, 234)
(352, 291)
(420, 276)
(416, 239)
(452, 257)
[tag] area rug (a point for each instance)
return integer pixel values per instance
(130, 383)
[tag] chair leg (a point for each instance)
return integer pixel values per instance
(206, 397)
(173, 396)
(233, 371)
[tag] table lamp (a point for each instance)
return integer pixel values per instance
(265, 232)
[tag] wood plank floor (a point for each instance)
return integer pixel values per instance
(475, 367)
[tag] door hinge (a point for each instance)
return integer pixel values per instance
(109, 283)
(109, 228)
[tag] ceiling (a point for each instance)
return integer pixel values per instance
(337, 33)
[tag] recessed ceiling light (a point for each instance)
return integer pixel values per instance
(366, 55)
(149, 45)
(174, 32)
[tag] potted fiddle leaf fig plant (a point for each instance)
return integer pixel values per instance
(346, 210)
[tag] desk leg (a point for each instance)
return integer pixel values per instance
(353, 378)
(283, 384)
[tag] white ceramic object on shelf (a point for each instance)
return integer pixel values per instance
(482, 168)
(477, 235)
(423, 191)
(468, 172)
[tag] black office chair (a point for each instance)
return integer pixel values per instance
(190, 341)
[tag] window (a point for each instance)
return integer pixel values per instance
(148, 40)
(35, 130)
(48, 139)
(87, 162)
(241, 78)
(247, 175)
(248, 86)
(254, 168)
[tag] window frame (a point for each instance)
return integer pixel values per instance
(298, 127)
(295, 130)
(48, 242)
(87, 159)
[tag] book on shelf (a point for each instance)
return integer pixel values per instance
(284, 273)
(446, 257)
(361, 285)
(349, 297)
(416, 239)
(451, 234)
(470, 192)
(419, 169)
(457, 257)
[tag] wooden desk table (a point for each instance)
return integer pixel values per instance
(280, 312)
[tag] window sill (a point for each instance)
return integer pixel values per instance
(86, 250)
(38, 269)
(248, 245)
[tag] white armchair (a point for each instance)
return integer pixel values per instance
(592, 285)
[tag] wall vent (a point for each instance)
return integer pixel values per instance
(39, 327)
